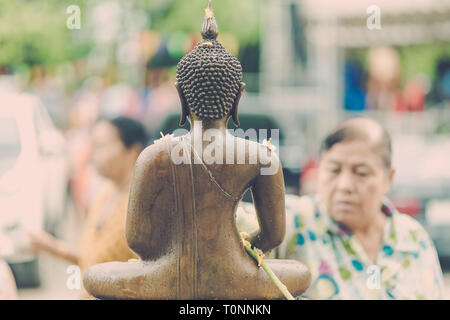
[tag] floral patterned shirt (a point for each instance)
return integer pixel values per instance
(406, 267)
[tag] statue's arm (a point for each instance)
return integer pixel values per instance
(144, 188)
(268, 198)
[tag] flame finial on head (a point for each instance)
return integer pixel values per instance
(210, 30)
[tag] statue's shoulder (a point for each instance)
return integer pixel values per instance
(256, 149)
(159, 149)
(261, 154)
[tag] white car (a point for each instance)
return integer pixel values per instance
(422, 183)
(33, 178)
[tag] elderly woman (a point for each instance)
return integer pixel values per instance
(355, 243)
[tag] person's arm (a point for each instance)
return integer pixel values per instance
(268, 198)
(143, 222)
(43, 241)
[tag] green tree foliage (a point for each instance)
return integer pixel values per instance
(239, 17)
(34, 32)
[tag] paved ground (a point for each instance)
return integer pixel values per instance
(54, 271)
(447, 284)
(53, 282)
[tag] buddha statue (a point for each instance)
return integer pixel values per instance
(181, 216)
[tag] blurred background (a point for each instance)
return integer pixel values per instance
(308, 64)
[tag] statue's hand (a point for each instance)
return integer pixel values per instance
(260, 255)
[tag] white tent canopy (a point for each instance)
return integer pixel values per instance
(403, 22)
(320, 9)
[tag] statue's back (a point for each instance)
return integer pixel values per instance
(180, 218)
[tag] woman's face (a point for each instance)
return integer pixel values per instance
(352, 182)
(109, 154)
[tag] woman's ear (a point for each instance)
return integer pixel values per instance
(390, 180)
(184, 108)
(234, 109)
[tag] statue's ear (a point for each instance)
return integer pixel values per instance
(234, 110)
(184, 107)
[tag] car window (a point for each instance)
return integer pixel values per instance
(10, 145)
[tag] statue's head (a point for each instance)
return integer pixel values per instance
(209, 79)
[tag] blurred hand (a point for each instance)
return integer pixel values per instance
(41, 241)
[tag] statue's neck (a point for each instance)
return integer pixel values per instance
(203, 125)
